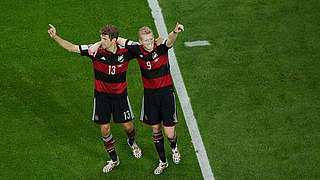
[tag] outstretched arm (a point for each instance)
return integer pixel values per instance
(174, 34)
(63, 43)
(121, 41)
(94, 48)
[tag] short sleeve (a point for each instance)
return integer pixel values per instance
(84, 50)
(163, 47)
(133, 47)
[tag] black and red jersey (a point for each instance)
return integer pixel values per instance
(109, 71)
(154, 66)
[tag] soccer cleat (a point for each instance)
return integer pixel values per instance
(110, 165)
(176, 155)
(136, 151)
(161, 167)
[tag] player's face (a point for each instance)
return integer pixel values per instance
(105, 41)
(147, 41)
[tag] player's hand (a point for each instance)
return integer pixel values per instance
(159, 40)
(52, 31)
(94, 49)
(178, 28)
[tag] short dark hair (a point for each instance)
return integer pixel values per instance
(110, 30)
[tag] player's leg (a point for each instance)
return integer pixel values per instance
(130, 131)
(168, 112)
(102, 115)
(108, 141)
(150, 115)
(159, 143)
(109, 145)
(122, 113)
(172, 137)
(129, 128)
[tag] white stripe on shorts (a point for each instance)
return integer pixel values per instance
(94, 108)
(175, 109)
(130, 109)
(142, 109)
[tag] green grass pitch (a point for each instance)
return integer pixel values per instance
(255, 91)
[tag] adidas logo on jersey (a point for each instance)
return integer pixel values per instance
(103, 58)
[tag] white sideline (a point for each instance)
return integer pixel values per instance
(196, 43)
(183, 96)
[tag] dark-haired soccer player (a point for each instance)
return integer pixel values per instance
(110, 88)
(158, 104)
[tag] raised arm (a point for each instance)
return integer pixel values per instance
(94, 48)
(174, 34)
(63, 43)
(121, 41)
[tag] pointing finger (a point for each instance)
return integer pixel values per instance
(181, 27)
(52, 26)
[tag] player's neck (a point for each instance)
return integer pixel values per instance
(113, 48)
(148, 50)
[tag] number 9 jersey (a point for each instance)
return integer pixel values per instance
(154, 66)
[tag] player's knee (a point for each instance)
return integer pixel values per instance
(105, 130)
(128, 127)
(170, 136)
(156, 128)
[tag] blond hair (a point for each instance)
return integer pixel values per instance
(144, 30)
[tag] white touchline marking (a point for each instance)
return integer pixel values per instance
(183, 96)
(197, 43)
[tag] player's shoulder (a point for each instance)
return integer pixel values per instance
(84, 46)
(132, 43)
(163, 45)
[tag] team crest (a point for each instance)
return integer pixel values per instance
(154, 55)
(120, 58)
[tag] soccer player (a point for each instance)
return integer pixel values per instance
(110, 89)
(158, 104)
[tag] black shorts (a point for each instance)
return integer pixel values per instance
(159, 108)
(119, 108)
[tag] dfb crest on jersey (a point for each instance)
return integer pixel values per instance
(120, 58)
(154, 55)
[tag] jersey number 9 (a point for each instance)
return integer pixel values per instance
(149, 65)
